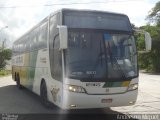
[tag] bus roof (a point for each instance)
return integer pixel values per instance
(86, 10)
(94, 19)
(62, 10)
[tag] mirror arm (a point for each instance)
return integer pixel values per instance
(55, 38)
(138, 30)
(141, 52)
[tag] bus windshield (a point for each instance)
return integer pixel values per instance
(100, 56)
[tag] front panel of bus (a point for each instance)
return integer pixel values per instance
(100, 62)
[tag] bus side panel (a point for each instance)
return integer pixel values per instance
(40, 70)
(17, 62)
(15, 70)
(32, 62)
(24, 65)
(54, 81)
(55, 91)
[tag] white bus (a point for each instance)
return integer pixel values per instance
(79, 59)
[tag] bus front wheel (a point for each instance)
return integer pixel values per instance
(43, 95)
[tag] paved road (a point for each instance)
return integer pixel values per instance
(148, 100)
(13, 100)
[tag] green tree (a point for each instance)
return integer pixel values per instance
(4, 55)
(154, 14)
(151, 61)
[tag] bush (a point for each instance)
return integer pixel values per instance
(4, 72)
(150, 61)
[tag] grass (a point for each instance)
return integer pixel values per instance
(4, 73)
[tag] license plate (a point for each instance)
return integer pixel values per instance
(106, 100)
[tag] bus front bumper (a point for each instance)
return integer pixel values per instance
(73, 100)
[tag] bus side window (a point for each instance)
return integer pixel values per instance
(21, 46)
(42, 36)
(14, 49)
(33, 40)
(27, 44)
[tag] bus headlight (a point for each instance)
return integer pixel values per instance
(74, 88)
(133, 87)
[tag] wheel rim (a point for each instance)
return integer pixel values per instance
(18, 82)
(44, 94)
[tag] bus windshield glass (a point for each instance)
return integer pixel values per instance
(100, 56)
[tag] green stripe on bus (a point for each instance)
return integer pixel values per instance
(108, 84)
(33, 60)
(116, 84)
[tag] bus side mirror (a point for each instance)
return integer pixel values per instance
(148, 41)
(63, 36)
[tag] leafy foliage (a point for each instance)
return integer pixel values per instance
(154, 15)
(4, 55)
(151, 61)
(4, 73)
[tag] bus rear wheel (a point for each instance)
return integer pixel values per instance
(17, 78)
(43, 95)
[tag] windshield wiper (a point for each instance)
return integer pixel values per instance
(115, 61)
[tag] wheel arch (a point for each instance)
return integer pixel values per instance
(42, 81)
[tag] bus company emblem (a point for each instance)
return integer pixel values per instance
(107, 90)
(43, 60)
(54, 92)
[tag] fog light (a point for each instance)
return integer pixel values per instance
(131, 102)
(73, 105)
(133, 87)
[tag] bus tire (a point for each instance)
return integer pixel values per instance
(43, 95)
(17, 78)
